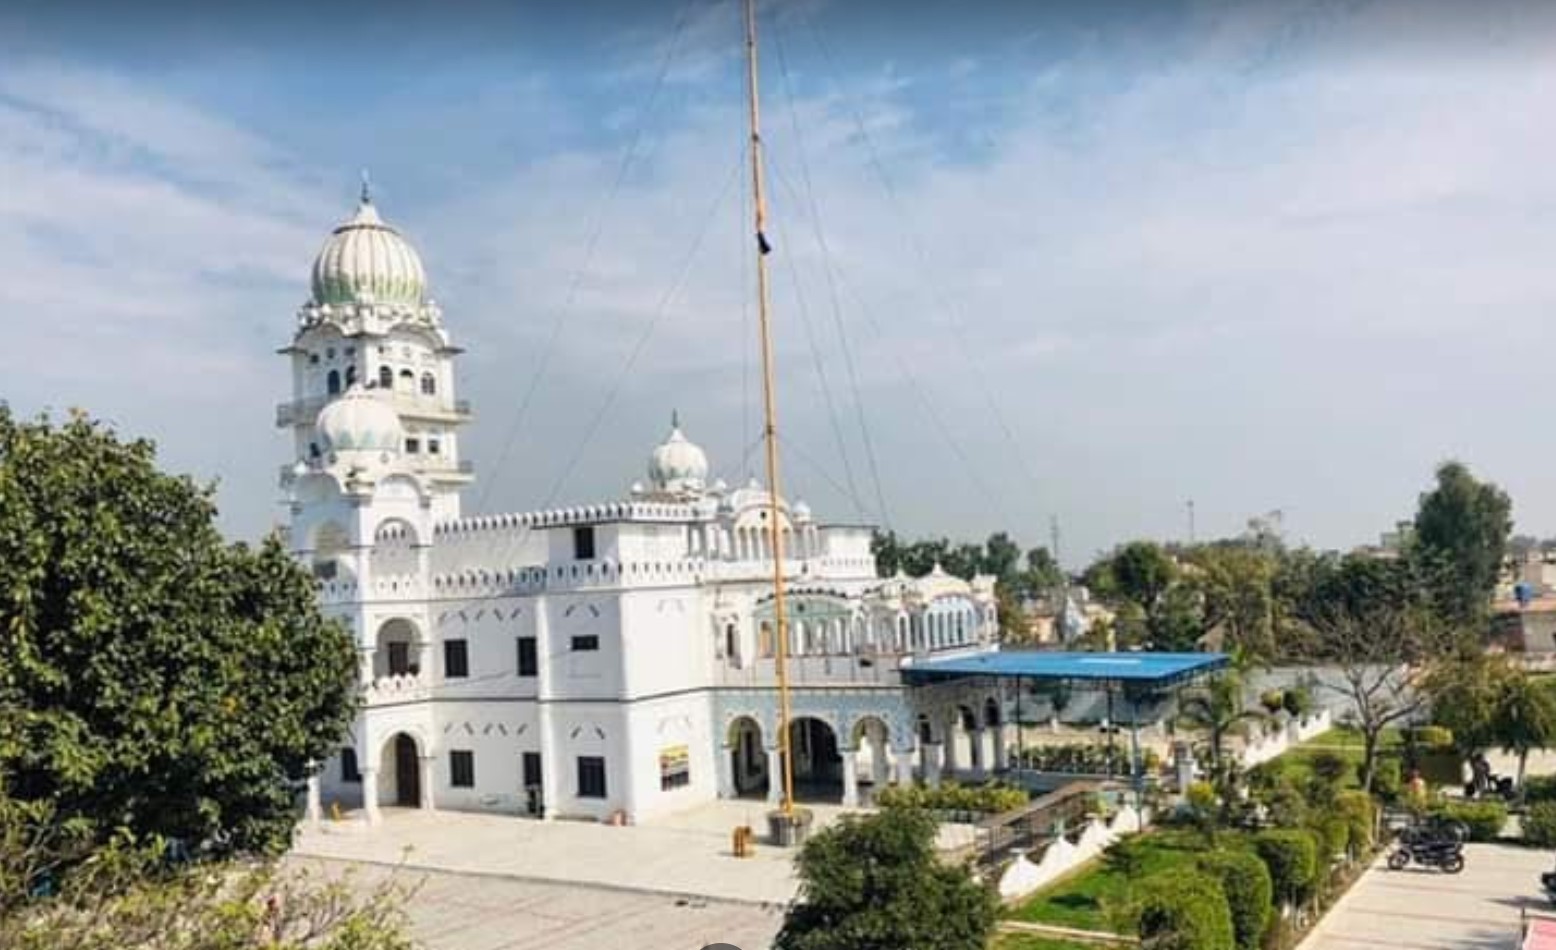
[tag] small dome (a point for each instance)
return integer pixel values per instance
(678, 465)
(358, 425)
(801, 511)
(367, 261)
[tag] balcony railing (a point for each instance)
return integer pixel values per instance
(397, 688)
(300, 411)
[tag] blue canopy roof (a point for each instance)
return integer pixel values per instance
(1138, 669)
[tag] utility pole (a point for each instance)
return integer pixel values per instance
(1191, 522)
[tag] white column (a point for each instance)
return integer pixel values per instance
(550, 791)
(428, 800)
(976, 740)
(879, 768)
(932, 762)
(315, 798)
(424, 659)
(370, 795)
(905, 766)
(726, 772)
(951, 729)
(775, 776)
(850, 778)
(366, 657)
(999, 748)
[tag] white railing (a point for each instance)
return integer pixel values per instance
(1265, 747)
(1025, 876)
(397, 688)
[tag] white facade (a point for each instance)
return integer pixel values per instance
(613, 661)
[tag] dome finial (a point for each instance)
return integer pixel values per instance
(675, 418)
(367, 189)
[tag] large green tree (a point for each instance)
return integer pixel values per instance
(1464, 524)
(153, 677)
(874, 883)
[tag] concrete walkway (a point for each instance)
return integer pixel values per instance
(1419, 909)
(683, 855)
(460, 912)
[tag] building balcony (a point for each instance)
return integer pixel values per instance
(397, 688)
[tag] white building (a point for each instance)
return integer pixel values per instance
(612, 660)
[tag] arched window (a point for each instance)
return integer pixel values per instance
(764, 640)
(332, 382)
(729, 642)
(429, 385)
(313, 450)
(385, 378)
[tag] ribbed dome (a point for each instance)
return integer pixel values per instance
(367, 261)
(359, 424)
(678, 465)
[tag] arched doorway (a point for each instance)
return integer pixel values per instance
(818, 767)
(400, 775)
(872, 738)
(748, 759)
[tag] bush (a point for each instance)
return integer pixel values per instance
(1430, 737)
(1360, 816)
(1540, 825)
(1484, 819)
(1298, 701)
(1540, 788)
(1183, 911)
(1249, 893)
(1291, 854)
(992, 798)
(1273, 700)
(1386, 777)
(1333, 835)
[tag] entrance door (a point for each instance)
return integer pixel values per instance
(407, 772)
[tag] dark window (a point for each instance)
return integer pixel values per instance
(329, 352)
(351, 376)
(332, 382)
(434, 446)
(313, 358)
(324, 570)
(412, 446)
(313, 450)
(591, 776)
(583, 543)
(399, 657)
(461, 764)
(385, 378)
(586, 642)
(348, 766)
(429, 385)
(529, 662)
(531, 769)
(456, 658)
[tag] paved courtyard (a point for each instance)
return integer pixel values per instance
(465, 912)
(1426, 910)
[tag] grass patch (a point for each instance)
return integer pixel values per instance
(1351, 738)
(1083, 900)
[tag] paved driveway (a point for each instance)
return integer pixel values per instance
(1428, 910)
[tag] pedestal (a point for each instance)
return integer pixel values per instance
(774, 776)
(788, 830)
(315, 799)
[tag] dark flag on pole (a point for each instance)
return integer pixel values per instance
(761, 243)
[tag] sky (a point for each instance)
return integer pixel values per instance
(1034, 262)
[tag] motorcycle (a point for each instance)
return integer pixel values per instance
(1441, 848)
(1548, 885)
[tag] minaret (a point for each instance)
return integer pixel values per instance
(370, 323)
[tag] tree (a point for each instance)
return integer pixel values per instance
(1217, 709)
(1043, 571)
(1465, 692)
(1236, 582)
(873, 882)
(152, 676)
(127, 895)
(1001, 557)
(1375, 660)
(1465, 523)
(1524, 719)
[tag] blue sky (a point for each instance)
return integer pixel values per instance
(1091, 260)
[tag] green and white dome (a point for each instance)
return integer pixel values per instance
(367, 261)
(359, 425)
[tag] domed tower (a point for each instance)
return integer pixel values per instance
(369, 323)
(677, 466)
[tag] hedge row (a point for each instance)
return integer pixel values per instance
(992, 798)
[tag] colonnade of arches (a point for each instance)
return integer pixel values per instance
(965, 741)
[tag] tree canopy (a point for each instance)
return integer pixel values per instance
(153, 677)
(873, 882)
(1464, 524)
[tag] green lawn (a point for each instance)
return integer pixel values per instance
(1352, 738)
(1033, 942)
(1082, 900)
